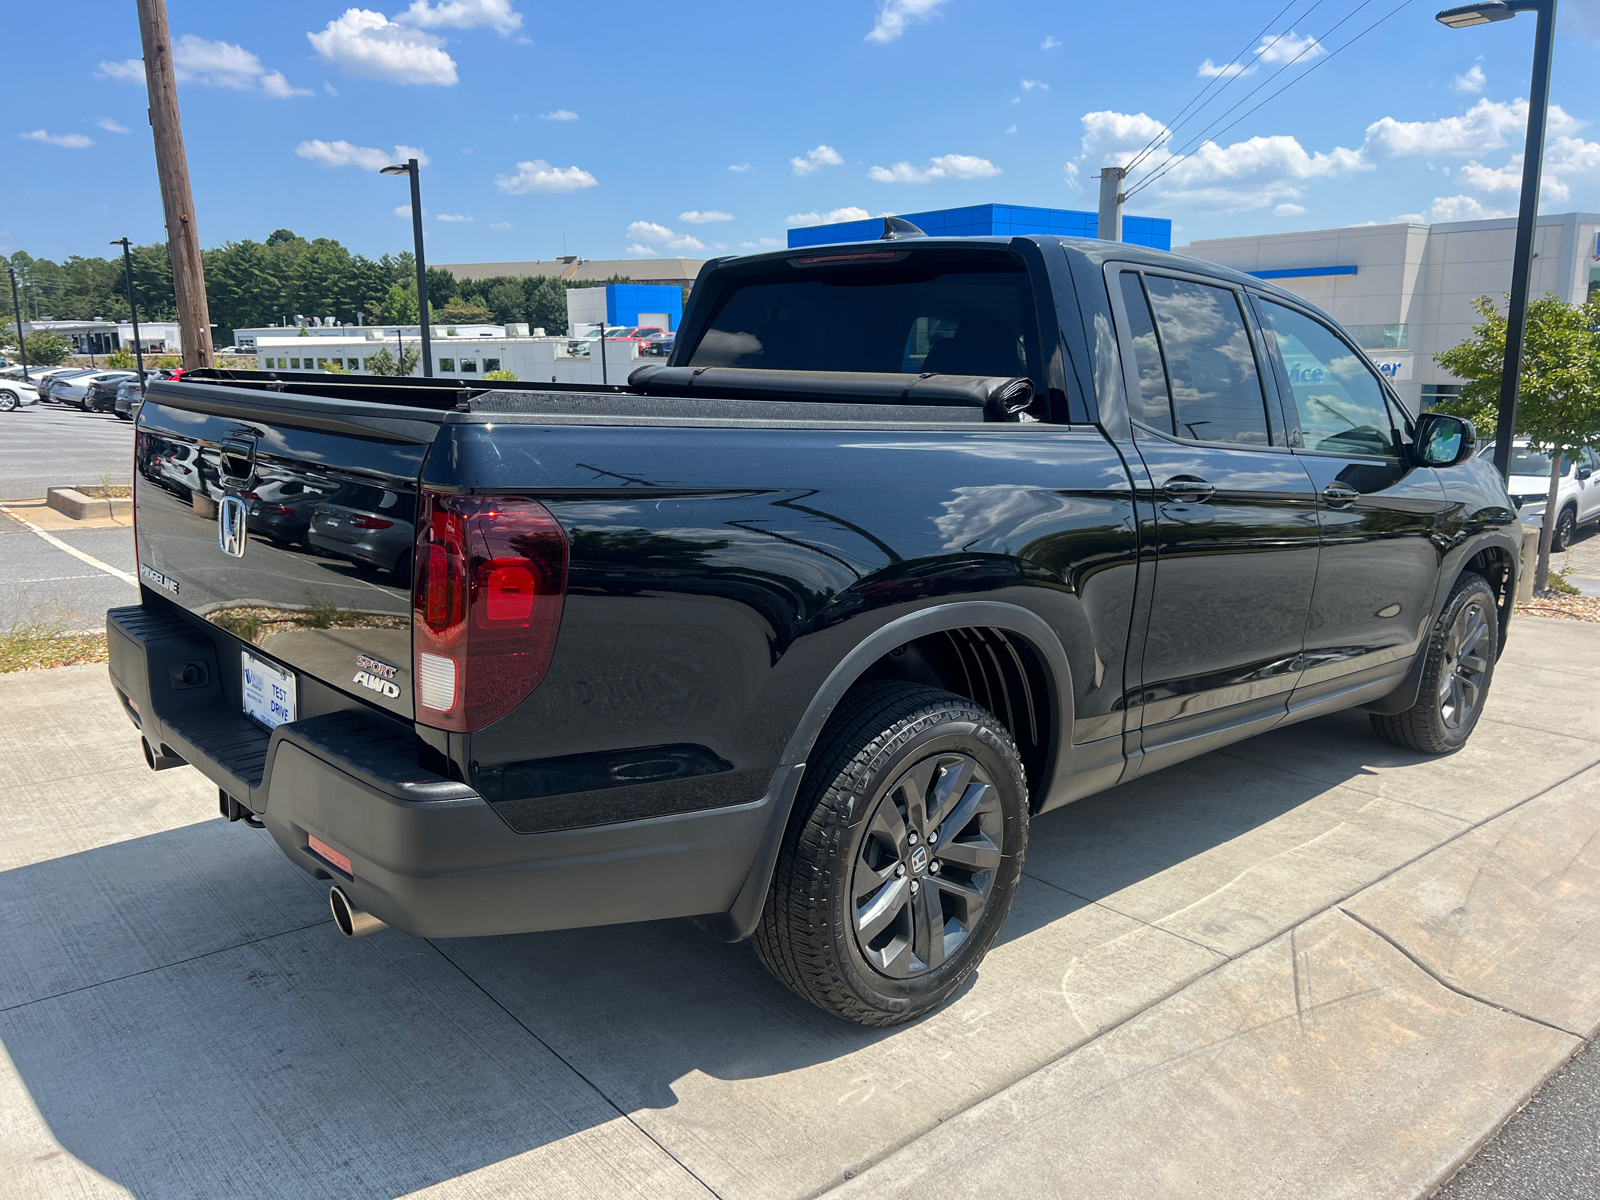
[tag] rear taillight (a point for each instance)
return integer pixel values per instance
(362, 521)
(490, 576)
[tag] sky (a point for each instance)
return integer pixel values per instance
(639, 130)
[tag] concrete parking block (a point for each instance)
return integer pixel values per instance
(1323, 1065)
(304, 1065)
(1501, 765)
(763, 1096)
(1508, 913)
(1229, 853)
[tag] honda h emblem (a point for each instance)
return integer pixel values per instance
(230, 526)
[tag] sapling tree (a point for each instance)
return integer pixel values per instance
(1558, 396)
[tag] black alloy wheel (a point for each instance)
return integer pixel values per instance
(1456, 675)
(902, 855)
(1566, 526)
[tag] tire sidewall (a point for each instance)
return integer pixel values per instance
(1566, 526)
(992, 751)
(1475, 589)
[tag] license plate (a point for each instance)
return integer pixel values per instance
(268, 690)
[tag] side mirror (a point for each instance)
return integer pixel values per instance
(1584, 472)
(1443, 440)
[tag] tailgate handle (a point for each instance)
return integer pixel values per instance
(238, 457)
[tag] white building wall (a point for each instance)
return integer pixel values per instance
(536, 360)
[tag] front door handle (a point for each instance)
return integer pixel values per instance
(1188, 487)
(1338, 495)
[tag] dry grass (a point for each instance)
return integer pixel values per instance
(1566, 608)
(37, 646)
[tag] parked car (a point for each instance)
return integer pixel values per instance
(1577, 501)
(907, 543)
(59, 377)
(367, 526)
(281, 508)
(15, 394)
(658, 346)
(74, 389)
(100, 395)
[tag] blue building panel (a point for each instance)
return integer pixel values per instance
(992, 220)
(1302, 272)
(625, 301)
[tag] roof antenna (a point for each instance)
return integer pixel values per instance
(895, 228)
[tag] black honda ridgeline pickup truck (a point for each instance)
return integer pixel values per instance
(908, 542)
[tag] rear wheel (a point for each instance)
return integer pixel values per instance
(1456, 676)
(9, 402)
(902, 857)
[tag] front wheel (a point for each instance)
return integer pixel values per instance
(902, 856)
(1566, 526)
(9, 402)
(1456, 675)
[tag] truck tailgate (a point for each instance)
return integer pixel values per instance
(295, 535)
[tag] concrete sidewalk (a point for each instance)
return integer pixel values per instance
(1309, 964)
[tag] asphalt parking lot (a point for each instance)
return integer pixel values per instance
(49, 446)
(1311, 964)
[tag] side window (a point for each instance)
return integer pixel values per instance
(1152, 406)
(1339, 400)
(1216, 388)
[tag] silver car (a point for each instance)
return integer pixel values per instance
(367, 528)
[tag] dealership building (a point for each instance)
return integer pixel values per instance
(1405, 292)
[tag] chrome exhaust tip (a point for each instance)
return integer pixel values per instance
(352, 921)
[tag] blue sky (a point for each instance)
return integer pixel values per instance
(634, 129)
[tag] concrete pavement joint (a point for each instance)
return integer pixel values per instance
(1445, 983)
(1118, 912)
(564, 1061)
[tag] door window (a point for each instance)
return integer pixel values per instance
(1152, 406)
(1338, 398)
(1211, 365)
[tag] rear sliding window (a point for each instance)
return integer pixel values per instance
(968, 314)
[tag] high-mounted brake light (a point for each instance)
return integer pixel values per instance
(491, 576)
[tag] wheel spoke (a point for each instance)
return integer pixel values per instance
(1473, 665)
(961, 816)
(951, 782)
(928, 921)
(888, 824)
(868, 880)
(913, 789)
(977, 854)
(1469, 692)
(873, 918)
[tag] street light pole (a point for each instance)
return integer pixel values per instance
(16, 307)
(133, 307)
(409, 167)
(1528, 208)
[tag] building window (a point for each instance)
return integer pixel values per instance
(294, 363)
(1594, 283)
(355, 363)
(1434, 393)
(491, 364)
(322, 364)
(447, 364)
(1379, 337)
(469, 366)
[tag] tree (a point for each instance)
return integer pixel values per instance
(399, 306)
(1556, 396)
(45, 349)
(382, 362)
(459, 312)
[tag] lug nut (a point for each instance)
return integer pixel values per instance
(933, 836)
(900, 871)
(915, 887)
(911, 837)
(933, 867)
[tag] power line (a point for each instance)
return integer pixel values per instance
(1214, 132)
(1177, 121)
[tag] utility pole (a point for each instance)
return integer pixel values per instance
(133, 307)
(16, 306)
(177, 201)
(1111, 199)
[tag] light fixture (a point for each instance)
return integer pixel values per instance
(1476, 14)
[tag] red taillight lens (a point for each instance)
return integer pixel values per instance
(362, 521)
(491, 575)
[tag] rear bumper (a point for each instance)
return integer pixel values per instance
(428, 855)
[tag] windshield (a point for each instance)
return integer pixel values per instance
(1527, 461)
(946, 313)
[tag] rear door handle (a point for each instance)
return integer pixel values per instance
(1188, 487)
(1337, 495)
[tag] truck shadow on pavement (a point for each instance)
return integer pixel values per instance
(186, 1021)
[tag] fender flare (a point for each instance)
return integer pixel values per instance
(740, 921)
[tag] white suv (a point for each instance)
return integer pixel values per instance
(1578, 501)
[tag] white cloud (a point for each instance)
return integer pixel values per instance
(1071, 172)
(946, 166)
(848, 213)
(1011, 128)
(1279, 48)
(560, 114)
(704, 218)
(453, 218)
(1029, 84)
(685, 242)
(636, 248)
(369, 45)
(344, 154)
(501, 225)
(1472, 81)
(329, 88)
(1564, 158)
(129, 70)
(895, 15)
(765, 243)
(462, 14)
(403, 210)
(1288, 210)
(275, 85)
(1459, 208)
(71, 141)
(815, 160)
(1252, 174)
(648, 231)
(112, 126)
(1050, 43)
(537, 175)
(739, 167)
(1485, 126)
